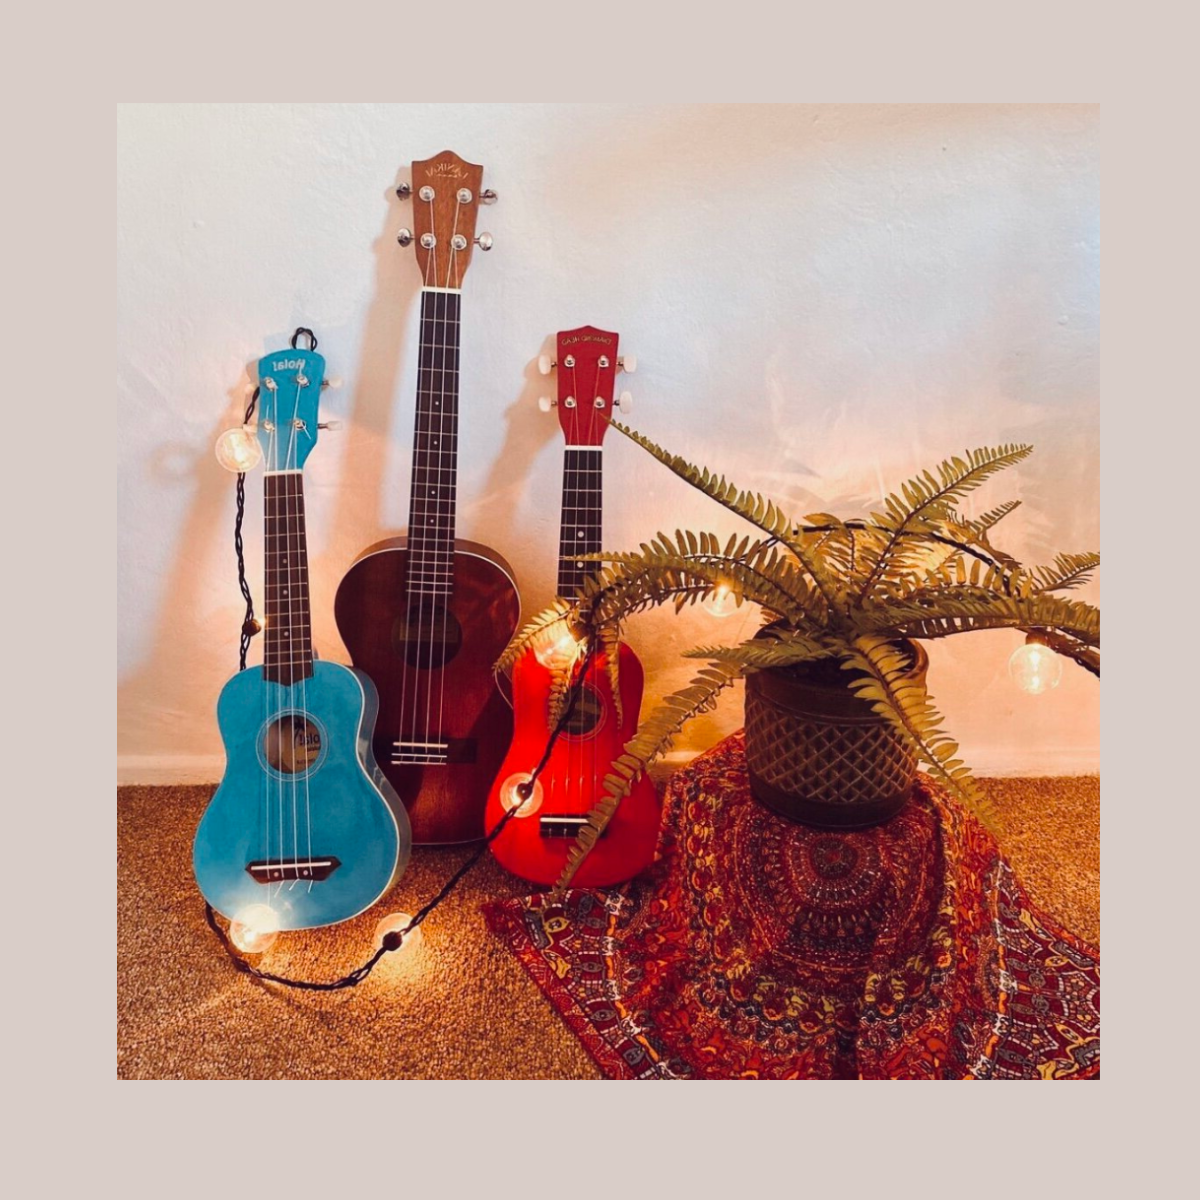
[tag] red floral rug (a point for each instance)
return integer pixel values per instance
(757, 948)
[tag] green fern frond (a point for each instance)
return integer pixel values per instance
(653, 738)
(765, 652)
(1068, 571)
(535, 631)
(751, 506)
(925, 499)
(610, 642)
(951, 614)
(884, 682)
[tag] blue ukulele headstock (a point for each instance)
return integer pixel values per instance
(289, 397)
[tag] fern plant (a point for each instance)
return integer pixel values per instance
(848, 590)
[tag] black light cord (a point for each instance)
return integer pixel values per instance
(393, 940)
(250, 625)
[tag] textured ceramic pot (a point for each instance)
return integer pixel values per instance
(818, 754)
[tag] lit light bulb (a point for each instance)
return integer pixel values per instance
(558, 647)
(1034, 667)
(720, 602)
(396, 923)
(254, 929)
(516, 790)
(238, 450)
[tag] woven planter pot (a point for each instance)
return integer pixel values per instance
(818, 754)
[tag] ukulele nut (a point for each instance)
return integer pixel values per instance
(458, 242)
(599, 402)
(464, 196)
(569, 402)
(428, 241)
(426, 193)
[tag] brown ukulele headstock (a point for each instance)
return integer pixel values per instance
(446, 192)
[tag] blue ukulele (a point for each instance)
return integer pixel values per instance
(304, 828)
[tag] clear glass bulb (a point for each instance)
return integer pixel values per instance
(254, 929)
(1035, 668)
(720, 602)
(558, 647)
(397, 922)
(515, 790)
(238, 450)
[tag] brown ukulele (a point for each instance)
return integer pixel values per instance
(426, 616)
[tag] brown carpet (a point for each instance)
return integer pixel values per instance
(456, 1005)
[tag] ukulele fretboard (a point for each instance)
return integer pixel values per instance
(287, 642)
(582, 502)
(435, 449)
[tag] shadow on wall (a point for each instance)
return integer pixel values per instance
(169, 683)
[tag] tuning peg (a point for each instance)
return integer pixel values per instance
(484, 241)
(333, 383)
(404, 191)
(405, 237)
(545, 403)
(332, 426)
(627, 363)
(545, 364)
(625, 403)
(487, 196)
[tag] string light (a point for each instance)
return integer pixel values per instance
(397, 922)
(558, 646)
(721, 601)
(254, 929)
(238, 450)
(1034, 667)
(518, 792)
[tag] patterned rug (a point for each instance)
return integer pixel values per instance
(757, 948)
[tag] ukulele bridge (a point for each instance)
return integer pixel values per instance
(279, 870)
(562, 825)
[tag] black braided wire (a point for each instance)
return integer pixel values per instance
(395, 939)
(250, 625)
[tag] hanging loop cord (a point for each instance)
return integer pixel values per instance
(250, 624)
(394, 940)
(312, 338)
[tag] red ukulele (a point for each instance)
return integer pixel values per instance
(535, 843)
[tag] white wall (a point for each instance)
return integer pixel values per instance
(823, 299)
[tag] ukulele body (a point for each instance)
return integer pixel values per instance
(303, 820)
(536, 846)
(443, 725)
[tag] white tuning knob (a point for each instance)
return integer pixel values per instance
(545, 403)
(333, 382)
(628, 363)
(545, 364)
(625, 404)
(332, 426)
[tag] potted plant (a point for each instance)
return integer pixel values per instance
(837, 712)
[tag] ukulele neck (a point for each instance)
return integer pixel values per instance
(582, 505)
(287, 645)
(435, 449)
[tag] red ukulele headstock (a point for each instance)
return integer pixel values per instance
(587, 365)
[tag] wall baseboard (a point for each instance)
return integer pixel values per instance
(167, 770)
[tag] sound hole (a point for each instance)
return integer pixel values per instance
(427, 636)
(292, 744)
(587, 714)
